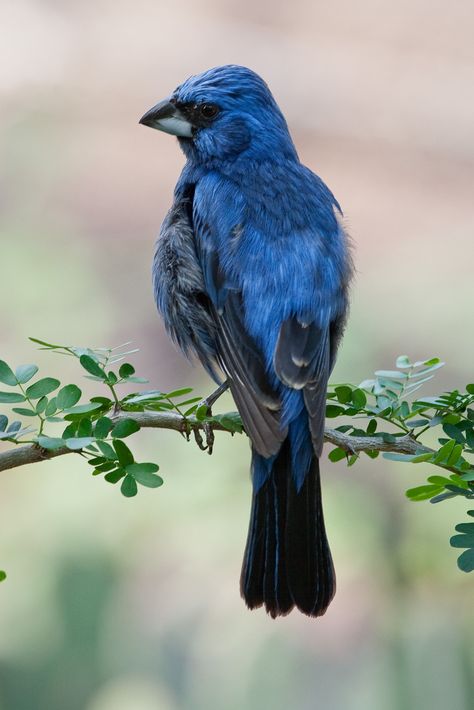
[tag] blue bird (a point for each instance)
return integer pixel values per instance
(251, 274)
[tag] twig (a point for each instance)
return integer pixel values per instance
(31, 453)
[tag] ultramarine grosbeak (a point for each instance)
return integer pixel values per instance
(251, 274)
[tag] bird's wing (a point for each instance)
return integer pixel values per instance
(304, 357)
(239, 356)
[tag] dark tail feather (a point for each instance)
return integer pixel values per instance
(287, 560)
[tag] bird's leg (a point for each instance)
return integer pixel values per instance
(208, 402)
(212, 398)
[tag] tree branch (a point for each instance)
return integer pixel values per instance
(31, 453)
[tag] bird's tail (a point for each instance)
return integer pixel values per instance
(287, 560)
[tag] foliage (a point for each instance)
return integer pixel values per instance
(379, 410)
(449, 417)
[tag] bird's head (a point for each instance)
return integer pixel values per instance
(222, 114)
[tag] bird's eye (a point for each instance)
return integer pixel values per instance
(209, 110)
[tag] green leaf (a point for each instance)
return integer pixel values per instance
(24, 412)
(51, 407)
(337, 454)
(201, 412)
(359, 398)
(470, 389)
(145, 474)
(423, 492)
(41, 405)
(391, 374)
(79, 443)
(384, 404)
(124, 454)
(24, 373)
(372, 454)
(114, 476)
(83, 408)
(440, 480)
(455, 455)
(416, 423)
(343, 394)
(106, 450)
(92, 366)
(96, 461)
(332, 411)
(105, 467)
(419, 458)
(391, 456)
(125, 428)
(68, 396)
(42, 387)
(144, 397)
(11, 397)
(179, 393)
(454, 432)
(230, 421)
(426, 371)
(50, 443)
(432, 361)
(372, 427)
(3, 575)
(112, 378)
(470, 438)
(70, 430)
(344, 428)
(466, 528)
(462, 540)
(103, 401)
(445, 451)
(466, 561)
(404, 410)
(403, 361)
(7, 375)
(103, 427)
(137, 468)
(3, 422)
(443, 496)
(126, 370)
(458, 490)
(85, 427)
(42, 342)
(129, 486)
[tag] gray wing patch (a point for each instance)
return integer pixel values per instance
(302, 361)
(258, 404)
(300, 352)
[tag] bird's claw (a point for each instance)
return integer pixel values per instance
(209, 433)
(209, 437)
(205, 425)
(350, 450)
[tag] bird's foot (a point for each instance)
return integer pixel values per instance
(208, 435)
(206, 426)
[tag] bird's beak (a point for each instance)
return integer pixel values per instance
(165, 116)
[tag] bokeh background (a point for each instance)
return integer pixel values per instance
(117, 604)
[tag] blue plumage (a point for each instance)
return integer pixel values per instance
(251, 273)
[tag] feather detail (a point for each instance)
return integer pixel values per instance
(287, 561)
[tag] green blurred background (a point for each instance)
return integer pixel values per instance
(117, 604)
